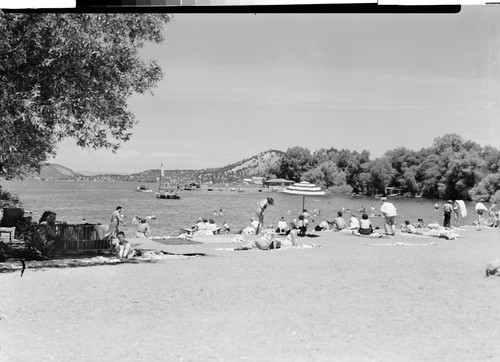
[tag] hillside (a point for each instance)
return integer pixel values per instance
(253, 166)
(256, 165)
(53, 171)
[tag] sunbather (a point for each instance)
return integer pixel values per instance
(124, 247)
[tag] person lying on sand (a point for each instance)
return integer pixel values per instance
(322, 226)
(409, 228)
(266, 241)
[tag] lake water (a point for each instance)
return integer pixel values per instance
(95, 201)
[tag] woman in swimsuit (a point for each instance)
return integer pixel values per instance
(261, 207)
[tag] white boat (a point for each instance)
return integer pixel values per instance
(143, 188)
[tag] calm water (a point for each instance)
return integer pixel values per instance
(95, 201)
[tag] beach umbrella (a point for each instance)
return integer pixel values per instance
(304, 188)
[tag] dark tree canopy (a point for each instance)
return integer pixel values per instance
(70, 75)
(452, 168)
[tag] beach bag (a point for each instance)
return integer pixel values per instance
(275, 244)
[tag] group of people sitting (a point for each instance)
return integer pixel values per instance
(363, 226)
(282, 228)
(206, 226)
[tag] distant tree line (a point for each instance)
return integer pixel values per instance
(452, 168)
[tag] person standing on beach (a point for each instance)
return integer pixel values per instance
(261, 208)
(116, 220)
(389, 212)
(456, 212)
(447, 209)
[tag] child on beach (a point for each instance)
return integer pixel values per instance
(282, 226)
(302, 225)
(124, 247)
(365, 225)
(143, 230)
(420, 223)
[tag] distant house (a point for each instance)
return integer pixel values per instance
(247, 180)
(258, 180)
(278, 183)
(393, 191)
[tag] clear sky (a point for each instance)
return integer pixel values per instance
(239, 84)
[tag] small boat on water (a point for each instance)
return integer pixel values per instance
(143, 188)
(167, 194)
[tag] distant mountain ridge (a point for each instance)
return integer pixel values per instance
(253, 166)
(54, 171)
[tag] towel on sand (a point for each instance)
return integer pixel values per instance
(303, 246)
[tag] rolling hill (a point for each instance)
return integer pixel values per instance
(53, 171)
(253, 166)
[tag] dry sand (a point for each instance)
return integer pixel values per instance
(353, 299)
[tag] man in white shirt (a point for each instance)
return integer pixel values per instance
(389, 212)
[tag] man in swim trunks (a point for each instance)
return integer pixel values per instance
(389, 212)
(447, 209)
(116, 220)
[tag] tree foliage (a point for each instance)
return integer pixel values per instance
(294, 162)
(70, 75)
(452, 168)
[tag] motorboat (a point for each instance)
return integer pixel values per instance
(143, 188)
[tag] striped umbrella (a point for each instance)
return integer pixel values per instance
(304, 188)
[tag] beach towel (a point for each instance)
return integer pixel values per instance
(302, 246)
(103, 231)
(405, 244)
(463, 210)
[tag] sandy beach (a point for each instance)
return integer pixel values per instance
(402, 298)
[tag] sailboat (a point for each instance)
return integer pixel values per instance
(166, 193)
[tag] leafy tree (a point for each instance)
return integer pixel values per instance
(452, 142)
(381, 173)
(314, 176)
(294, 162)
(487, 189)
(492, 158)
(70, 75)
(325, 175)
(463, 172)
(9, 200)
